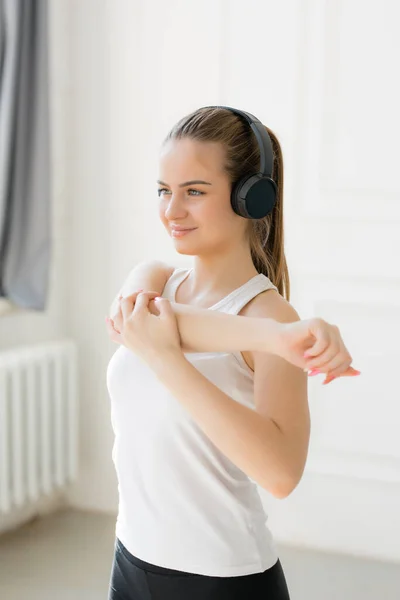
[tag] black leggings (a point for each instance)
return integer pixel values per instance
(135, 579)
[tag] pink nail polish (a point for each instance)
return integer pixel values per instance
(314, 372)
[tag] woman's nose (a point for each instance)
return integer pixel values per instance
(174, 208)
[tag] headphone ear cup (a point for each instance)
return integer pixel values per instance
(254, 197)
(236, 205)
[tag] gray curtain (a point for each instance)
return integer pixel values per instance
(25, 219)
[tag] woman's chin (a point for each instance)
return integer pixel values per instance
(182, 249)
(182, 246)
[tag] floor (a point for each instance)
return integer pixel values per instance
(68, 556)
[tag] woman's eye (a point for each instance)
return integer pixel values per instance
(196, 192)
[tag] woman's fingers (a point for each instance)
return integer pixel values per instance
(338, 366)
(319, 331)
(323, 359)
(337, 373)
(142, 301)
(334, 360)
(119, 321)
(347, 372)
(114, 335)
(350, 372)
(127, 305)
(118, 316)
(134, 295)
(342, 371)
(135, 302)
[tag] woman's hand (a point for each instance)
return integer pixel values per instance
(117, 319)
(317, 347)
(144, 333)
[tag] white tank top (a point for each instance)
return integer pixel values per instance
(182, 503)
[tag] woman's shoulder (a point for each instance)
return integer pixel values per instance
(147, 275)
(270, 304)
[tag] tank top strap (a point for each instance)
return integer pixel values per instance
(233, 302)
(178, 275)
(236, 300)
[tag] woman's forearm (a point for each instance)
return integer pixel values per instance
(204, 330)
(253, 442)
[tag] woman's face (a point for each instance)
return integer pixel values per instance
(204, 207)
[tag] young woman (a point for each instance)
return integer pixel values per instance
(208, 387)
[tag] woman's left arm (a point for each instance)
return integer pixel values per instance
(270, 443)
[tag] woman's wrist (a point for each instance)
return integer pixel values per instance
(267, 335)
(163, 362)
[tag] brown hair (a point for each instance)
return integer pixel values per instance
(242, 159)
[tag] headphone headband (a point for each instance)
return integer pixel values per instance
(263, 139)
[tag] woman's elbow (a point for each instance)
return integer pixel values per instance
(286, 487)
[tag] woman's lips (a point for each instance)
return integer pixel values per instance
(181, 232)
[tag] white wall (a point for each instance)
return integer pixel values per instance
(320, 75)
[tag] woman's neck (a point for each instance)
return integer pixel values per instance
(218, 277)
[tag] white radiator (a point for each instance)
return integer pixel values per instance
(38, 421)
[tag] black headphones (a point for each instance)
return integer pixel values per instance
(254, 196)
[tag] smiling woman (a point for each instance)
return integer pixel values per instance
(208, 392)
(202, 208)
